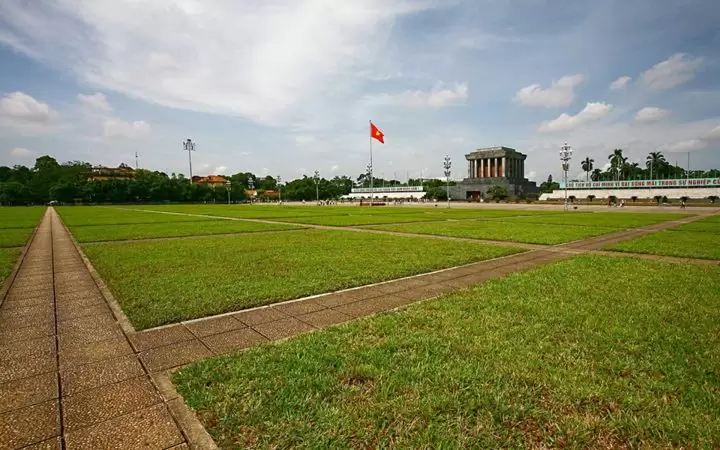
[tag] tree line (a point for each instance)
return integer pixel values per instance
(655, 166)
(73, 182)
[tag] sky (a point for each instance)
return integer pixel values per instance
(287, 87)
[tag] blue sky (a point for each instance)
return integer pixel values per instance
(288, 87)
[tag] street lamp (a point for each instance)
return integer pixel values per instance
(316, 178)
(447, 163)
(228, 185)
(279, 189)
(565, 155)
(251, 185)
(189, 146)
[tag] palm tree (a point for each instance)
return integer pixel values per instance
(596, 175)
(655, 159)
(616, 161)
(587, 166)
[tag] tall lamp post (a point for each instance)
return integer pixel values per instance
(316, 178)
(189, 146)
(447, 163)
(251, 185)
(279, 189)
(565, 155)
(228, 186)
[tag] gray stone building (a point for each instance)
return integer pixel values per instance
(492, 166)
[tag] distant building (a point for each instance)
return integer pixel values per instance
(387, 193)
(121, 172)
(492, 166)
(212, 180)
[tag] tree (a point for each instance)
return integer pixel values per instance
(590, 197)
(713, 198)
(547, 187)
(616, 162)
(655, 161)
(587, 166)
(596, 175)
(497, 192)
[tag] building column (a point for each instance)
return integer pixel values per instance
(503, 167)
(480, 168)
(496, 162)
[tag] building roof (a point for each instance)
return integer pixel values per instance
(493, 152)
(211, 179)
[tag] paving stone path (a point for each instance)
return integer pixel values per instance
(69, 378)
(75, 374)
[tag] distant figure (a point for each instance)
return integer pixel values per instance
(622, 203)
(682, 204)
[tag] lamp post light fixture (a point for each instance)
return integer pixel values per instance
(189, 146)
(316, 178)
(228, 187)
(447, 164)
(279, 180)
(565, 155)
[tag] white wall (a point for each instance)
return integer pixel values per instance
(673, 193)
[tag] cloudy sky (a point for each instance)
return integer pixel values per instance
(288, 86)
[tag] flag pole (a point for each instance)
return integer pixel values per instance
(372, 194)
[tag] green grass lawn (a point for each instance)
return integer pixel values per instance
(541, 359)
(75, 216)
(277, 211)
(20, 216)
(360, 219)
(509, 230)
(8, 256)
(686, 244)
(172, 229)
(160, 282)
(602, 219)
(708, 224)
(14, 237)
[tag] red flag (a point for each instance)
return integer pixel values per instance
(376, 133)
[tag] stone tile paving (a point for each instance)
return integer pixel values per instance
(68, 376)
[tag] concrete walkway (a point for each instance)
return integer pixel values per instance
(75, 374)
(68, 375)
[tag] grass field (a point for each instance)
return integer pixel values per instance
(14, 237)
(708, 224)
(360, 219)
(75, 216)
(508, 230)
(542, 359)
(686, 244)
(172, 229)
(20, 216)
(600, 219)
(160, 282)
(8, 256)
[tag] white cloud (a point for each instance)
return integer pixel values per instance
(26, 115)
(651, 114)
(560, 93)
(96, 102)
(713, 134)
(334, 168)
(22, 153)
(304, 139)
(118, 129)
(266, 61)
(620, 83)
(219, 170)
(678, 69)
(684, 146)
(591, 113)
(441, 95)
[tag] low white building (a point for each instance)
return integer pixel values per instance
(694, 188)
(387, 193)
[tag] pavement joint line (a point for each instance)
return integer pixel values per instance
(63, 444)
